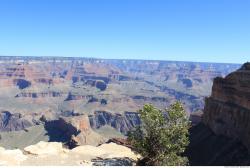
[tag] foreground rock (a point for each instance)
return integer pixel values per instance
(44, 148)
(53, 153)
(11, 157)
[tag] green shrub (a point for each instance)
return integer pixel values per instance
(163, 136)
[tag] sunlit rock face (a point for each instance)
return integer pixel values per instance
(54, 154)
(227, 110)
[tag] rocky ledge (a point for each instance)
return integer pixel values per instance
(54, 154)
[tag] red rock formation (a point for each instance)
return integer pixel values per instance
(33, 73)
(77, 129)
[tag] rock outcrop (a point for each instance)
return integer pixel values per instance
(222, 138)
(74, 131)
(121, 123)
(45, 148)
(227, 111)
(11, 157)
(85, 135)
(54, 154)
(120, 141)
(12, 122)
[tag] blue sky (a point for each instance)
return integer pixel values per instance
(186, 30)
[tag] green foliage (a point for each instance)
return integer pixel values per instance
(163, 136)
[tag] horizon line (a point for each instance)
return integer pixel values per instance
(128, 59)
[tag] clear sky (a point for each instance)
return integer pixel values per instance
(187, 30)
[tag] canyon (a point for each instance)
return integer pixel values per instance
(65, 106)
(86, 101)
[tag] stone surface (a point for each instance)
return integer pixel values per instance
(222, 137)
(53, 154)
(227, 110)
(12, 122)
(122, 123)
(76, 131)
(115, 150)
(11, 157)
(45, 148)
(120, 141)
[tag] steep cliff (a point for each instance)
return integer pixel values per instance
(222, 138)
(227, 111)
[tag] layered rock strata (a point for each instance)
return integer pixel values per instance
(121, 122)
(227, 110)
